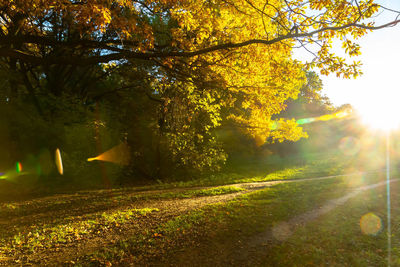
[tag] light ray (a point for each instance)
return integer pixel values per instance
(118, 155)
(389, 231)
(327, 117)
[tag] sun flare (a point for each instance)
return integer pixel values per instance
(384, 115)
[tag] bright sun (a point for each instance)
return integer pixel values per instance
(381, 114)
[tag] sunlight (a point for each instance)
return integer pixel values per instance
(381, 114)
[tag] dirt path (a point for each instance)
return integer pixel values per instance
(246, 253)
(64, 209)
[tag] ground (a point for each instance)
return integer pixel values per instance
(336, 220)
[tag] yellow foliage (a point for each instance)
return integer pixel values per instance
(246, 46)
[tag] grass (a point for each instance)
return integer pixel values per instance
(186, 193)
(46, 236)
(337, 239)
(88, 214)
(106, 199)
(203, 192)
(221, 225)
(68, 229)
(259, 171)
(278, 170)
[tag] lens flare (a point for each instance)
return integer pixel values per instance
(338, 115)
(356, 180)
(59, 162)
(118, 155)
(305, 121)
(370, 224)
(18, 167)
(327, 117)
(349, 145)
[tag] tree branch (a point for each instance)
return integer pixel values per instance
(127, 54)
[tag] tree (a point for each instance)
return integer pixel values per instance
(127, 28)
(222, 59)
(310, 101)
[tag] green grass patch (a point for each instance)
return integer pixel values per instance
(46, 236)
(281, 201)
(183, 194)
(224, 224)
(203, 192)
(338, 239)
(10, 210)
(260, 171)
(247, 215)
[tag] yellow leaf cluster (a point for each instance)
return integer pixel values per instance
(256, 78)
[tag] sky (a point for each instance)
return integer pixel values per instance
(378, 88)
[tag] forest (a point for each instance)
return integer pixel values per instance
(183, 86)
(120, 96)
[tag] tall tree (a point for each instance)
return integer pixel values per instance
(205, 60)
(310, 101)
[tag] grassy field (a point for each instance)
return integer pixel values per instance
(353, 235)
(276, 169)
(229, 233)
(184, 223)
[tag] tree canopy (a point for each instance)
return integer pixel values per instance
(169, 28)
(199, 63)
